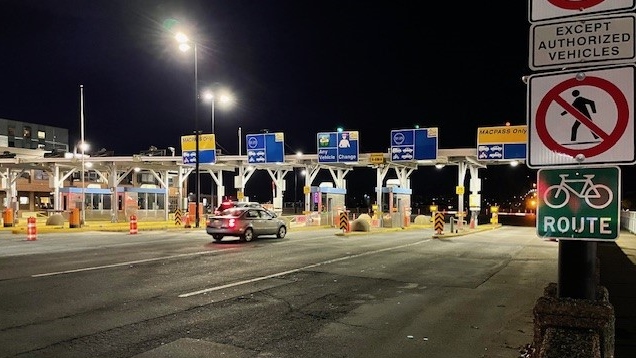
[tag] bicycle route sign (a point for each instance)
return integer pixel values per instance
(579, 203)
(581, 117)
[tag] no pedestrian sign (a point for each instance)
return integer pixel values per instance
(581, 117)
(554, 9)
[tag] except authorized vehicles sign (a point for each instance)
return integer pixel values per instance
(581, 117)
(600, 40)
(555, 9)
(579, 203)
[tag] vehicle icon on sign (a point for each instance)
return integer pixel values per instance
(407, 156)
(483, 155)
(251, 153)
(496, 155)
(260, 153)
(496, 148)
(260, 159)
(396, 150)
(483, 148)
(408, 150)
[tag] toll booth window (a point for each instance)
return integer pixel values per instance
(152, 201)
(41, 175)
(41, 135)
(11, 131)
(141, 201)
(26, 132)
(106, 202)
(161, 200)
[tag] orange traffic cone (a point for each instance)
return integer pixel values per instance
(133, 224)
(31, 229)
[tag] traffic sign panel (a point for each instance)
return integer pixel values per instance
(502, 143)
(414, 144)
(554, 9)
(581, 117)
(598, 40)
(578, 203)
(338, 147)
(207, 149)
(265, 148)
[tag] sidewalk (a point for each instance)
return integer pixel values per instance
(617, 264)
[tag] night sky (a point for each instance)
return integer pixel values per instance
(298, 67)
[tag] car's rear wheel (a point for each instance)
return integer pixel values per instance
(217, 237)
(248, 235)
(282, 231)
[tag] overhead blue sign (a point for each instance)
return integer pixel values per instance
(265, 148)
(338, 147)
(502, 151)
(413, 144)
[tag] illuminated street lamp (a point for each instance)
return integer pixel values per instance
(225, 100)
(184, 45)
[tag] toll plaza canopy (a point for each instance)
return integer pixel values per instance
(171, 172)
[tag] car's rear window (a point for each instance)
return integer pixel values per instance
(232, 212)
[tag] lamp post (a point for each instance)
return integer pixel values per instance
(184, 45)
(83, 149)
(226, 100)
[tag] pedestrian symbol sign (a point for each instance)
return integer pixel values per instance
(579, 203)
(581, 117)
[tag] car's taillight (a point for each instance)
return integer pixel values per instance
(231, 223)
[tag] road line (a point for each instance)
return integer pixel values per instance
(127, 263)
(261, 278)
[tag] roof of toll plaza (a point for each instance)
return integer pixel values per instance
(31, 159)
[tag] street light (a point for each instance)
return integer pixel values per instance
(84, 148)
(225, 99)
(184, 45)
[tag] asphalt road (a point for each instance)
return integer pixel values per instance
(312, 294)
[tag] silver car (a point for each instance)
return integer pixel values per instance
(247, 223)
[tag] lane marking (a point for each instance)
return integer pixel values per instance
(127, 263)
(261, 278)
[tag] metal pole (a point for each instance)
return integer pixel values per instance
(577, 269)
(196, 137)
(212, 202)
(212, 114)
(295, 188)
(83, 148)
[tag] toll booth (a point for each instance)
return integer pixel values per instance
(96, 202)
(145, 203)
(397, 206)
(328, 202)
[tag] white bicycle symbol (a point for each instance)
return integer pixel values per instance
(597, 196)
